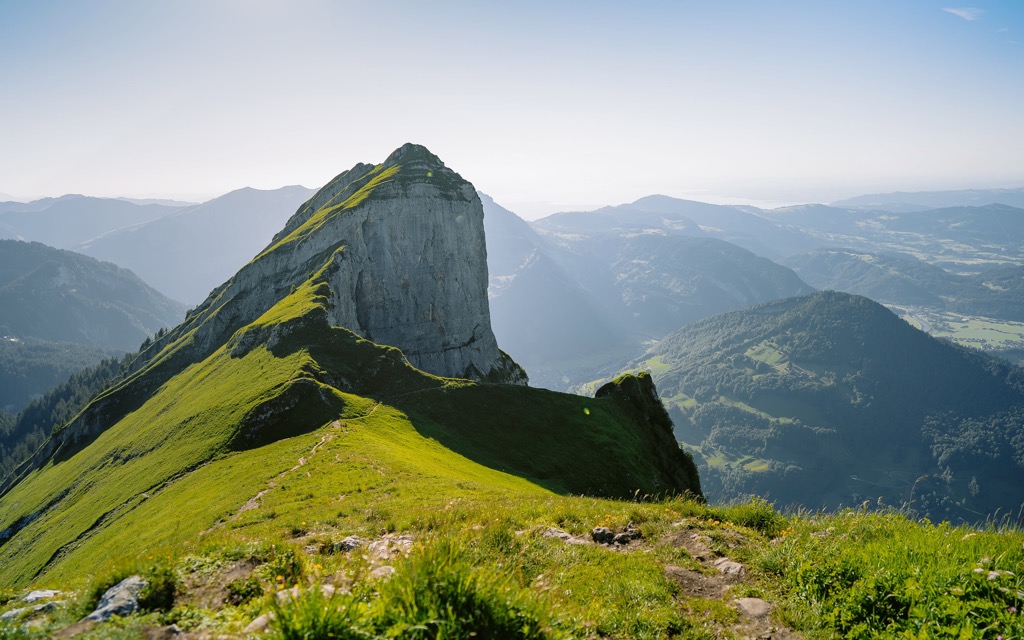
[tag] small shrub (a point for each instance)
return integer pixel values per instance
(314, 615)
(243, 590)
(14, 631)
(281, 565)
(438, 593)
(758, 514)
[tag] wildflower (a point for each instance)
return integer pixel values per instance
(1012, 610)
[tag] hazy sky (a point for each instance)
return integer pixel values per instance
(544, 105)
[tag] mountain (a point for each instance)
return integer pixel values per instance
(831, 399)
(163, 201)
(904, 280)
(959, 239)
(683, 217)
(548, 320)
(61, 296)
(29, 368)
(893, 278)
(61, 312)
(905, 202)
(188, 252)
(996, 227)
(65, 377)
(828, 223)
(69, 220)
(576, 293)
(297, 357)
(666, 282)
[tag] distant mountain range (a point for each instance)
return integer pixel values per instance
(904, 202)
(960, 239)
(66, 221)
(189, 251)
(62, 296)
(61, 311)
(181, 249)
(831, 399)
(905, 280)
(672, 216)
(577, 292)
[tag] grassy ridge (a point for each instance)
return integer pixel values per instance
(189, 457)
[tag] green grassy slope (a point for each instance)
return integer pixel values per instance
(210, 438)
(481, 545)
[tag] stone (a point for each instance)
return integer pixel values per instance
(40, 594)
(163, 633)
(753, 607)
(14, 613)
(603, 535)
(568, 538)
(28, 612)
(119, 600)
(351, 543)
(284, 595)
(729, 567)
(623, 538)
(260, 624)
(382, 572)
(390, 546)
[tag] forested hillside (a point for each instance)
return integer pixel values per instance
(831, 399)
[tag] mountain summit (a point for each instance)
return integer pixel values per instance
(401, 246)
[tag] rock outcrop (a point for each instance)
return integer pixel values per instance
(401, 245)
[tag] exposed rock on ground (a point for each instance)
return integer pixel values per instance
(119, 600)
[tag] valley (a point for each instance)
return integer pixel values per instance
(327, 320)
(717, 399)
(1003, 338)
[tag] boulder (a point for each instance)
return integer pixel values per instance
(119, 600)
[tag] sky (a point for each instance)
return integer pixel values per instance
(546, 106)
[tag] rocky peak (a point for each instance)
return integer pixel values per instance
(401, 246)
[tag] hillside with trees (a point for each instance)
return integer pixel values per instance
(831, 399)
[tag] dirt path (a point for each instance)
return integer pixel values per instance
(719, 578)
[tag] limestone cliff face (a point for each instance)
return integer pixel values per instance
(401, 245)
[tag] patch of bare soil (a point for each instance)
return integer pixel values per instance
(719, 578)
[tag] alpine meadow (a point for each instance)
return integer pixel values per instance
(511, 321)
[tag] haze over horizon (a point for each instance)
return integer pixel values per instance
(544, 107)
